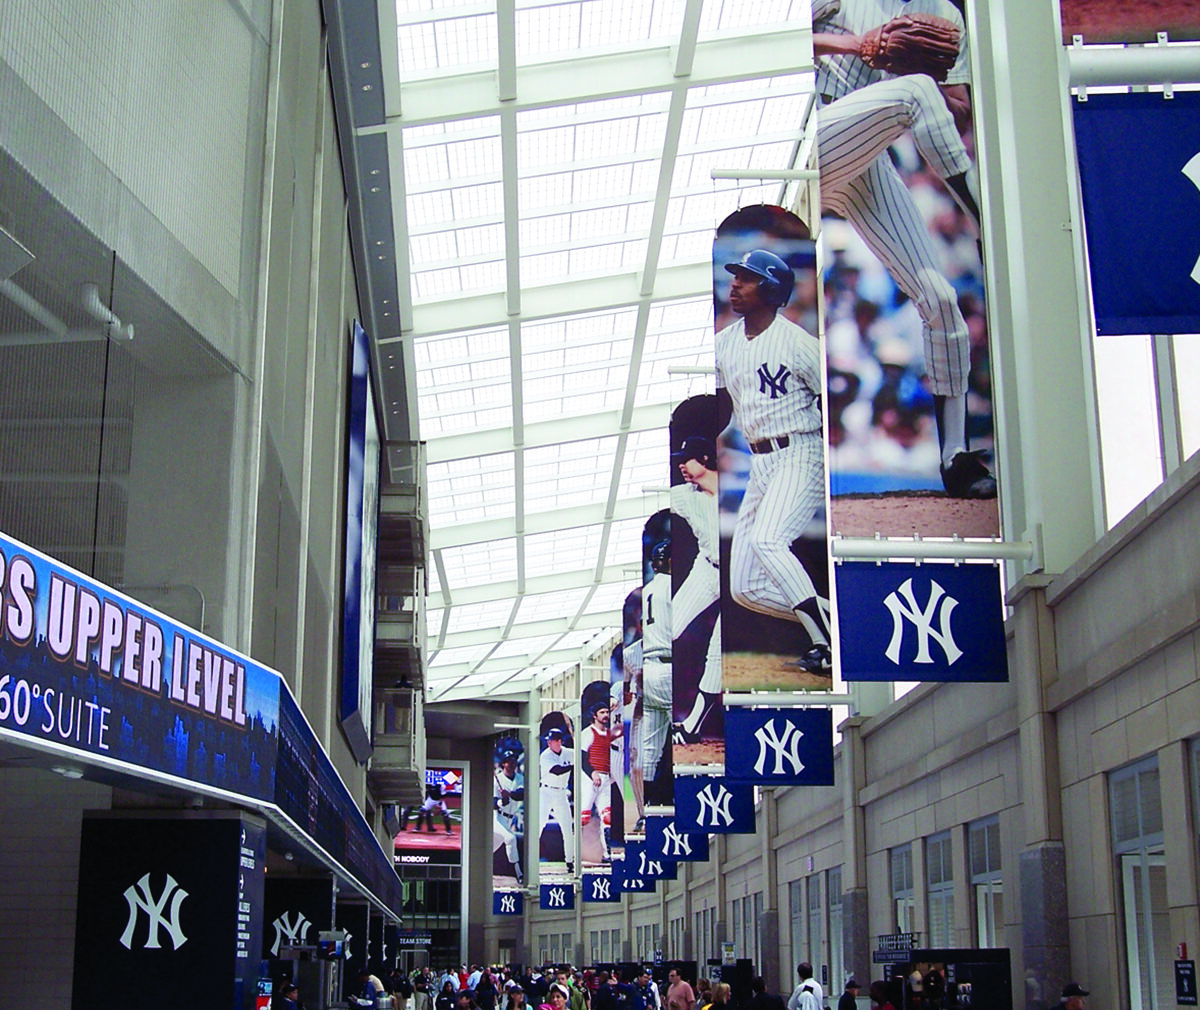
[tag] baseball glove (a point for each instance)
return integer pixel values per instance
(912, 44)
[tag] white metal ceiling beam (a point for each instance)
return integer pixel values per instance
(537, 584)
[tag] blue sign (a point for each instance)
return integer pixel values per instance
(602, 887)
(630, 871)
(940, 622)
(508, 903)
(86, 669)
(713, 805)
(779, 746)
(553, 896)
(1139, 169)
(664, 838)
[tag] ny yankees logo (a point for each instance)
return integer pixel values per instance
(557, 897)
(774, 383)
(716, 805)
(922, 620)
(649, 867)
(140, 898)
(1192, 171)
(508, 904)
(785, 747)
(293, 931)
(600, 888)
(675, 844)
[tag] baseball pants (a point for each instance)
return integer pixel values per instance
(785, 490)
(859, 181)
(556, 803)
(502, 836)
(656, 720)
(599, 796)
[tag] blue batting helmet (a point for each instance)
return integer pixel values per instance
(660, 557)
(776, 279)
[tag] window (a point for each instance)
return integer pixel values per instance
(757, 931)
(595, 938)
(798, 910)
(903, 901)
(544, 947)
(1137, 834)
(837, 964)
(939, 880)
(986, 886)
(675, 928)
(816, 912)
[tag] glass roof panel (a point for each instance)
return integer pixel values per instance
(554, 30)
(474, 616)
(625, 544)
(530, 648)
(459, 36)
(610, 596)
(731, 15)
(562, 551)
(463, 381)
(480, 564)
(543, 606)
(567, 474)
(471, 489)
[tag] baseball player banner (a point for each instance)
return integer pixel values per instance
(508, 903)
(600, 887)
(508, 813)
(666, 840)
(601, 761)
(698, 731)
(556, 896)
(910, 418)
(630, 872)
(780, 746)
(933, 621)
(705, 804)
(633, 707)
(556, 795)
(1107, 21)
(1145, 279)
(775, 624)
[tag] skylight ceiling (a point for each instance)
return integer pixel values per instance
(552, 167)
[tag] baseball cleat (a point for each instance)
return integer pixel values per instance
(818, 659)
(679, 735)
(967, 476)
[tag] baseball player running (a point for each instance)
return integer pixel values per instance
(864, 110)
(695, 501)
(597, 744)
(657, 608)
(557, 763)
(769, 374)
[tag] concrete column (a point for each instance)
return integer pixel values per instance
(856, 947)
(768, 966)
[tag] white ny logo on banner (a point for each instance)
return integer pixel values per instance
(716, 805)
(292, 932)
(140, 898)
(508, 903)
(558, 897)
(922, 620)
(674, 843)
(649, 867)
(785, 748)
(600, 889)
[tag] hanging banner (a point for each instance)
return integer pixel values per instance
(910, 416)
(508, 903)
(1106, 21)
(713, 806)
(774, 555)
(651, 768)
(664, 839)
(556, 896)
(780, 746)
(698, 734)
(932, 621)
(1145, 279)
(631, 871)
(600, 887)
(601, 759)
(556, 797)
(508, 813)
(633, 707)
(295, 910)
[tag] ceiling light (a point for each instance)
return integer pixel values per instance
(66, 771)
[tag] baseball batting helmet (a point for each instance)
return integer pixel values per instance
(776, 279)
(660, 557)
(696, 447)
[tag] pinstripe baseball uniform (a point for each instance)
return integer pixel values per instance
(657, 609)
(702, 587)
(863, 112)
(773, 379)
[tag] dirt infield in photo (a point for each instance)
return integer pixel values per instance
(903, 513)
(1120, 21)
(767, 671)
(704, 753)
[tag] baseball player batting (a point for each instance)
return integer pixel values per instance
(864, 109)
(769, 376)
(695, 502)
(556, 764)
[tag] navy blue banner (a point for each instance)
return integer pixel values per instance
(601, 887)
(779, 746)
(552, 896)
(1139, 168)
(939, 622)
(508, 903)
(712, 805)
(666, 840)
(631, 871)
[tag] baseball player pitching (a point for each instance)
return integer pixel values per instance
(556, 764)
(695, 502)
(769, 375)
(867, 102)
